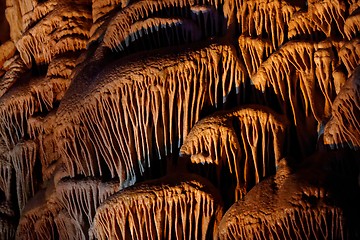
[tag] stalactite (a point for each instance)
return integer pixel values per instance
(276, 73)
(153, 96)
(23, 157)
(101, 7)
(68, 228)
(339, 80)
(324, 60)
(259, 143)
(300, 75)
(258, 18)
(80, 198)
(287, 206)
(64, 29)
(10, 135)
(59, 74)
(5, 178)
(190, 31)
(170, 208)
(353, 5)
(98, 29)
(205, 21)
(302, 25)
(352, 25)
(37, 219)
(343, 129)
(7, 229)
(7, 211)
(45, 228)
(293, 226)
(321, 16)
(26, 227)
(7, 220)
(254, 51)
(40, 10)
(24, 100)
(349, 55)
(119, 27)
(70, 139)
(41, 129)
(207, 18)
(39, 225)
(15, 69)
(12, 125)
(62, 66)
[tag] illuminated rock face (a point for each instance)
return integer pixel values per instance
(288, 206)
(180, 207)
(113, 113)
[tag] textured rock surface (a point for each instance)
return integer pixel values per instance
(289, 206)
(176, 207)
(247, 141)
(344, 127)
(99, 100)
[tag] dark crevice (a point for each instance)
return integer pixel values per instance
(4, 25)
(173, 35)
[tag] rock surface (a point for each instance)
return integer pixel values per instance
(112, 113)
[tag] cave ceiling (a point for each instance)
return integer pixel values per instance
(179, 119)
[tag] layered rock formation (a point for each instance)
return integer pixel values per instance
(289, 206)
(114, 113)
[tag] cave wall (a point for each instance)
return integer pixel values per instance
(176, 119)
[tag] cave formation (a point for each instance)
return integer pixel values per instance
(178, 119)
